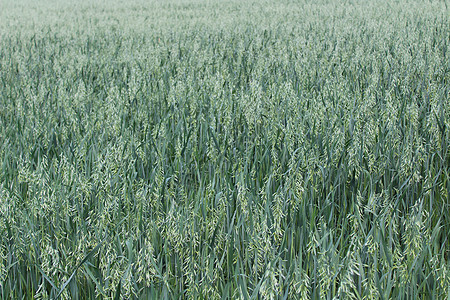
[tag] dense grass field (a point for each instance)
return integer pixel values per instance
(191, 149)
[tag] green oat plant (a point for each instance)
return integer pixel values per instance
(193, 149)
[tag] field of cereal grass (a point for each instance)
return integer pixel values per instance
(193, 149)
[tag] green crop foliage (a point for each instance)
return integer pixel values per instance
(189, 149)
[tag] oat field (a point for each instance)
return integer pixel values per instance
(206, 149)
